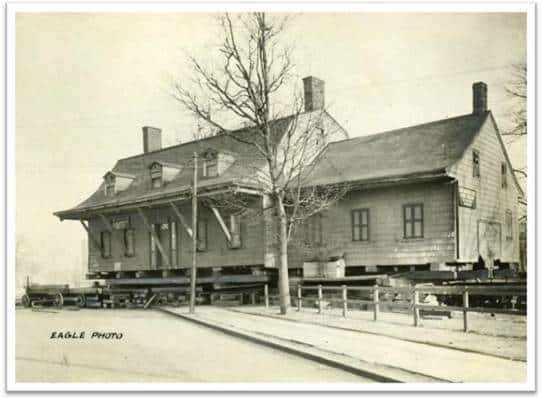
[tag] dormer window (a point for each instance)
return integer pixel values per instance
(162, 173)
(210, 168)
(156, 175)
(214, 163)
(115, 182)
(109, 184)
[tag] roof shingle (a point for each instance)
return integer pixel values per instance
(423, 148)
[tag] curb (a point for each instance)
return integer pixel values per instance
(357, 370)
(438, 345)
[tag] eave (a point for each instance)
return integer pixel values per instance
(160, 198)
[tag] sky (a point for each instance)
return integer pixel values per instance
(86, 83)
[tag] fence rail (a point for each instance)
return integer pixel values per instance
(412, 295)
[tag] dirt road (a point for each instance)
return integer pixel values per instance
(153, 348)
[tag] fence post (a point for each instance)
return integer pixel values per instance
(375, 302)
(299, 297)
(465, 309)
(415, 309)
(345, 300)
(320, 295)
(266, 295)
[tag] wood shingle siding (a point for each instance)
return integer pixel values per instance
(217, 254)
(492, 199)
(386, 245)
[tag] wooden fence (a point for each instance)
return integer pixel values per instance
(377, 297)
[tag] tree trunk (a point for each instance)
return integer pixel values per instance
(284, 284)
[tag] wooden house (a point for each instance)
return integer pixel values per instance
(423, 197)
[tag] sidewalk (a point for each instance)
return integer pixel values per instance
(392, 357)
(503, 336)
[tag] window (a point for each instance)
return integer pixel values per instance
(210, 168)
(128, 242)
(475, 163)
(235, 231)
(156, 175)
(320, 136)
(156, 256)
(413, 221)
(173, 242)
(154, 249)
(508, 223)
(360, 224)
(110, 185)
(504, 172)
(202, 235)
(156, 182)
(313, 230)
(105, 241)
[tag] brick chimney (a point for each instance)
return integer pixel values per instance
(152, 139)
(479, 98)
(313, 89)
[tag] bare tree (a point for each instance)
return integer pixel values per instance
(254, 66)
(517, 90)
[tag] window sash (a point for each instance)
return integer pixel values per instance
(156, 182)
(509, 227)
(202, 234)
(235, 224)
(109, 188)
(154, 257)
(475, 163)
(129, 247)
(504, 172)
(413, 221)
(360, 224)
(105, 240)
(173, 242)
(211, 169)
(313, 230)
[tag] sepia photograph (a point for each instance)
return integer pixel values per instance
(264, 197)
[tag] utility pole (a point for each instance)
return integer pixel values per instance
(194, 235)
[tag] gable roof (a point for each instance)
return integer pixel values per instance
(424, 149)
(503, 148)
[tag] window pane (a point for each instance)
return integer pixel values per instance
(364, 220)
(211, 170)
(202, 235)
(364, 233)
(106, 244)
(356, 233)
(319, 229)
(418, 229)
(408, 229)
(153, 250)
(156, 182)
(234, 224)
(356, 216)
(408, 213)
(129, 242)
(417, 212)
(173, 235)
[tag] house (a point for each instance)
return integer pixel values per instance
(423, 197)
